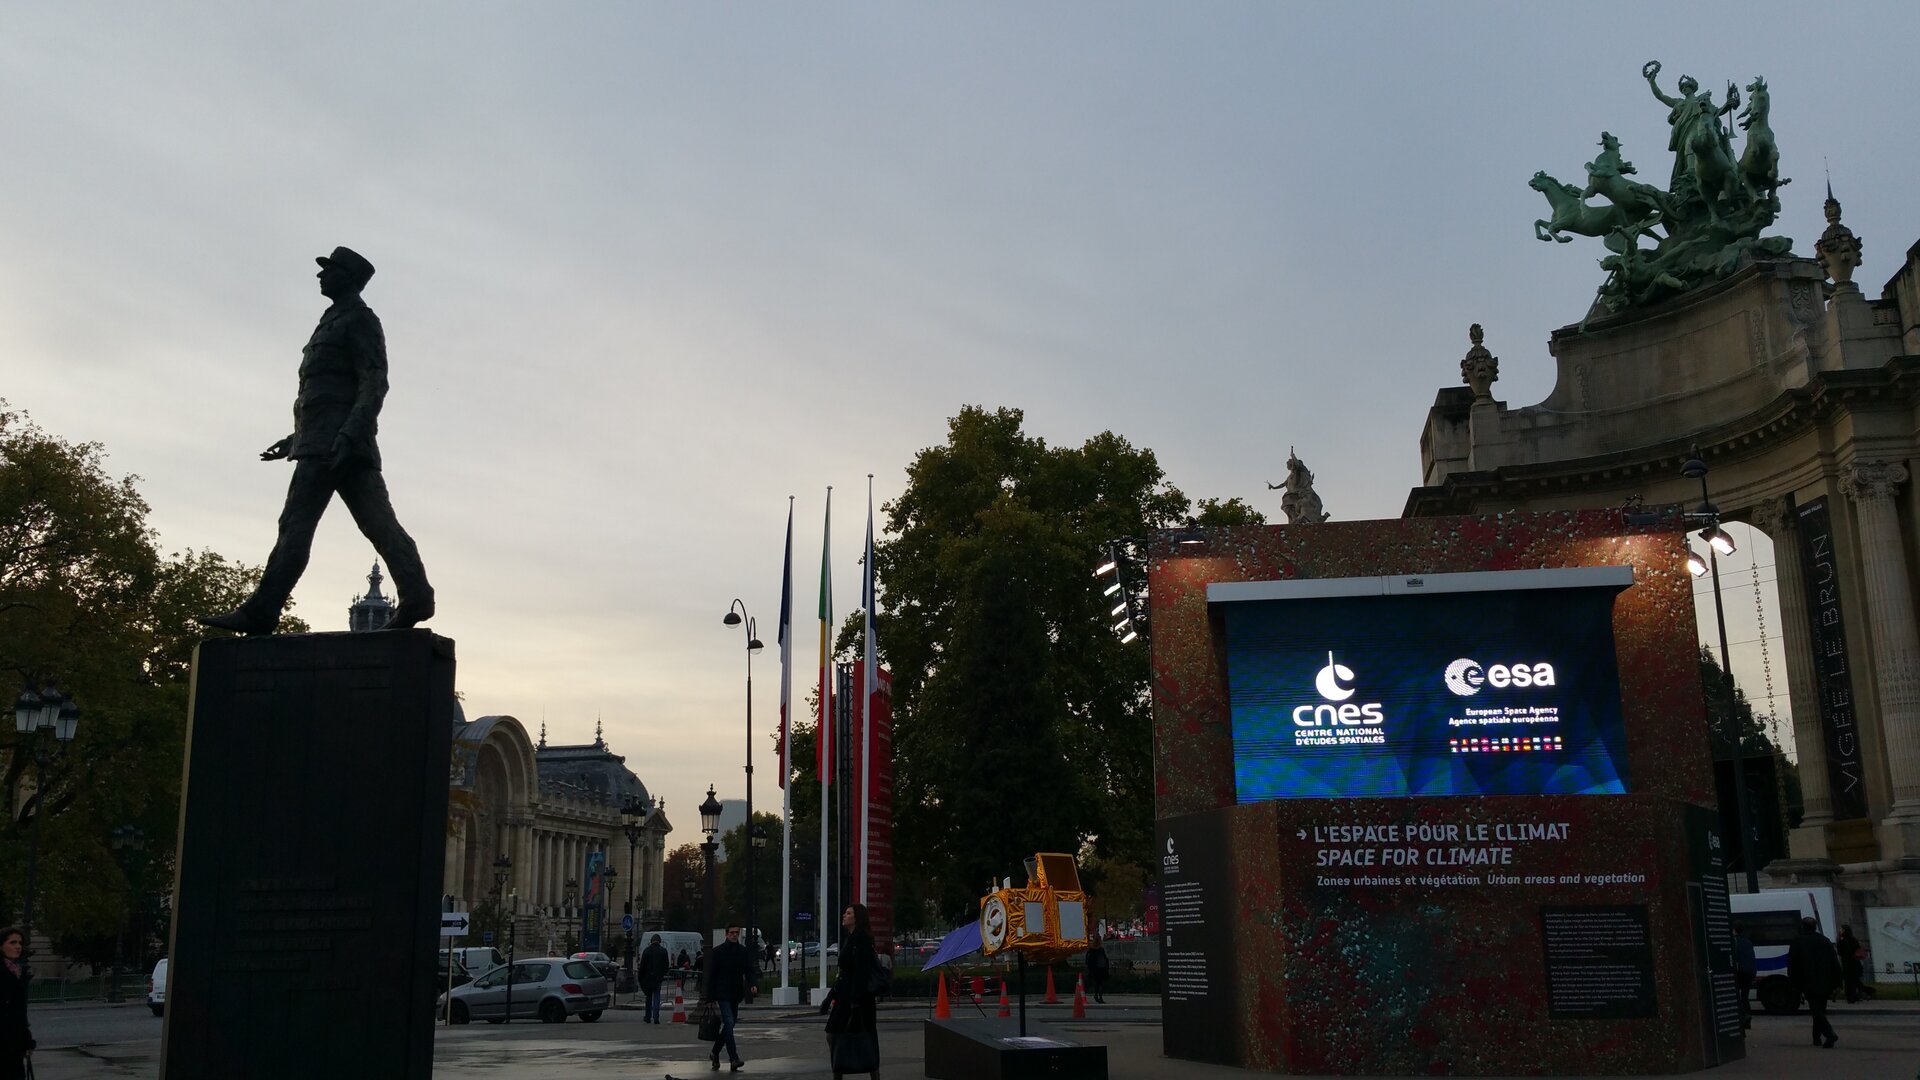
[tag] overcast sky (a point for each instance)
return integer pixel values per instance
(648, 270)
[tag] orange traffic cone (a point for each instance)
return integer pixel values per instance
(1052, 998)
(942, 1010)
(679, 1005)
(1004, 1011)
(1080, 997)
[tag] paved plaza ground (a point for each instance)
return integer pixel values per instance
(100, 1042)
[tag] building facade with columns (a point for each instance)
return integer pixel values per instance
(547, 808)
(1802, 395)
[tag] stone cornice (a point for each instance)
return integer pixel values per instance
(1828, 395)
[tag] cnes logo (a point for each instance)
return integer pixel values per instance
(1333, 682)
(1170, 863)
(1467, 677)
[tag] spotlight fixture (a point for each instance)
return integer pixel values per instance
(1122, 626)
(1113, 588)
(1106, 568)
(1130, 635)
(1696, 565)
(1717, 536)
(1119, 608)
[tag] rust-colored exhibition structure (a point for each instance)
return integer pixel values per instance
(1434, 796)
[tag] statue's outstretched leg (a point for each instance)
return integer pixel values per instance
(364, 490)
(308, 494)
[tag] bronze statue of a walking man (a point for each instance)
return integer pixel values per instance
(343, 381)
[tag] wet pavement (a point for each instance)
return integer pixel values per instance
(110, 1042)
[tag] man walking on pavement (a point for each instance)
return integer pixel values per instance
(732, 978)
(1814, 969)
(1745, 967)
(653, 971)
(343, 382)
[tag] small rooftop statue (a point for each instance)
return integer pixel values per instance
(1707, 222)
(1480, 369)
(1300, 503)
(343, 382)
(1837, 249)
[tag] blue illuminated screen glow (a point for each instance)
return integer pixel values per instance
(1489, 692)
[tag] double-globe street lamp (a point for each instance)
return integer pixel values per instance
(737, 616)
(502, 871)
(1718, 544)
(128, 841)
(34, 715)
(632, 815)
(709, 824)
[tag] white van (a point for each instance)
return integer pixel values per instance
(157, 988)
(674, 941)
(1772, 920)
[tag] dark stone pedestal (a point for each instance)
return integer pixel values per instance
(992, 1049)
(312, 838)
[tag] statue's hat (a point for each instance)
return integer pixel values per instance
(349, 260)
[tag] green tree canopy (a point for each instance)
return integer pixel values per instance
(1020, 723)
(90, 605)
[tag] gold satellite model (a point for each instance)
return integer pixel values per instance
(1046, 920)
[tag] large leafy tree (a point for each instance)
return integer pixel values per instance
(1020, 723)
(90, 605)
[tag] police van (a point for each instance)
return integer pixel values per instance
(1772, 920)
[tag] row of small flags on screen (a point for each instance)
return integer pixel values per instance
(1494, 746)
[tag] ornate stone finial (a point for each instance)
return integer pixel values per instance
(1867, 480)
(1838, 249)
(598, 742)
(542, 744)
(1480, 369)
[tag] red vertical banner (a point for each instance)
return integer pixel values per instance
(875, 779)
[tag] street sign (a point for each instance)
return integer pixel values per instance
(803, 916)
(626, 923)
(486, 937)
(454, 923)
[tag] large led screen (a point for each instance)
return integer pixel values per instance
(1450, 684)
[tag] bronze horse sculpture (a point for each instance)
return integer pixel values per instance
(1571, 214)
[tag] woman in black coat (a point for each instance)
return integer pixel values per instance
(16, 1042)
(853, 1029)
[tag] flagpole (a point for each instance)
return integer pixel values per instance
(863, 782)
(824, 733)
(786, 995)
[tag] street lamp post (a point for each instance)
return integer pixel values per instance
(1718, 542)
(49, 710)
(631, 815)
(127, 842)
(502, 870)
(709, 824)
(608, 882)
(737, 616)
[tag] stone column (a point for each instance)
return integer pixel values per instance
(1896, 642)
(1782, 526)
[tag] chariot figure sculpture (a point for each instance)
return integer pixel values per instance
(343, 382)
(1705, 225)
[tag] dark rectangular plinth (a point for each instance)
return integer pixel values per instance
(312, 836)
(983, 1050)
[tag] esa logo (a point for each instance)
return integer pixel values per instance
(1466, 677)
(1334, 683)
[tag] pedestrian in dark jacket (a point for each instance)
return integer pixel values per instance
(1851, 963)
(1097, 969)
(16, 1042)
(853, 1028)
(653, 971)
(732, 977)
(1745, 966)
(1814, 970)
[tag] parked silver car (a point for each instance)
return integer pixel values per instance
(549, 988)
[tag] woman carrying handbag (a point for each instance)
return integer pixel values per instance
(16, 1042)
(853, 1030)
